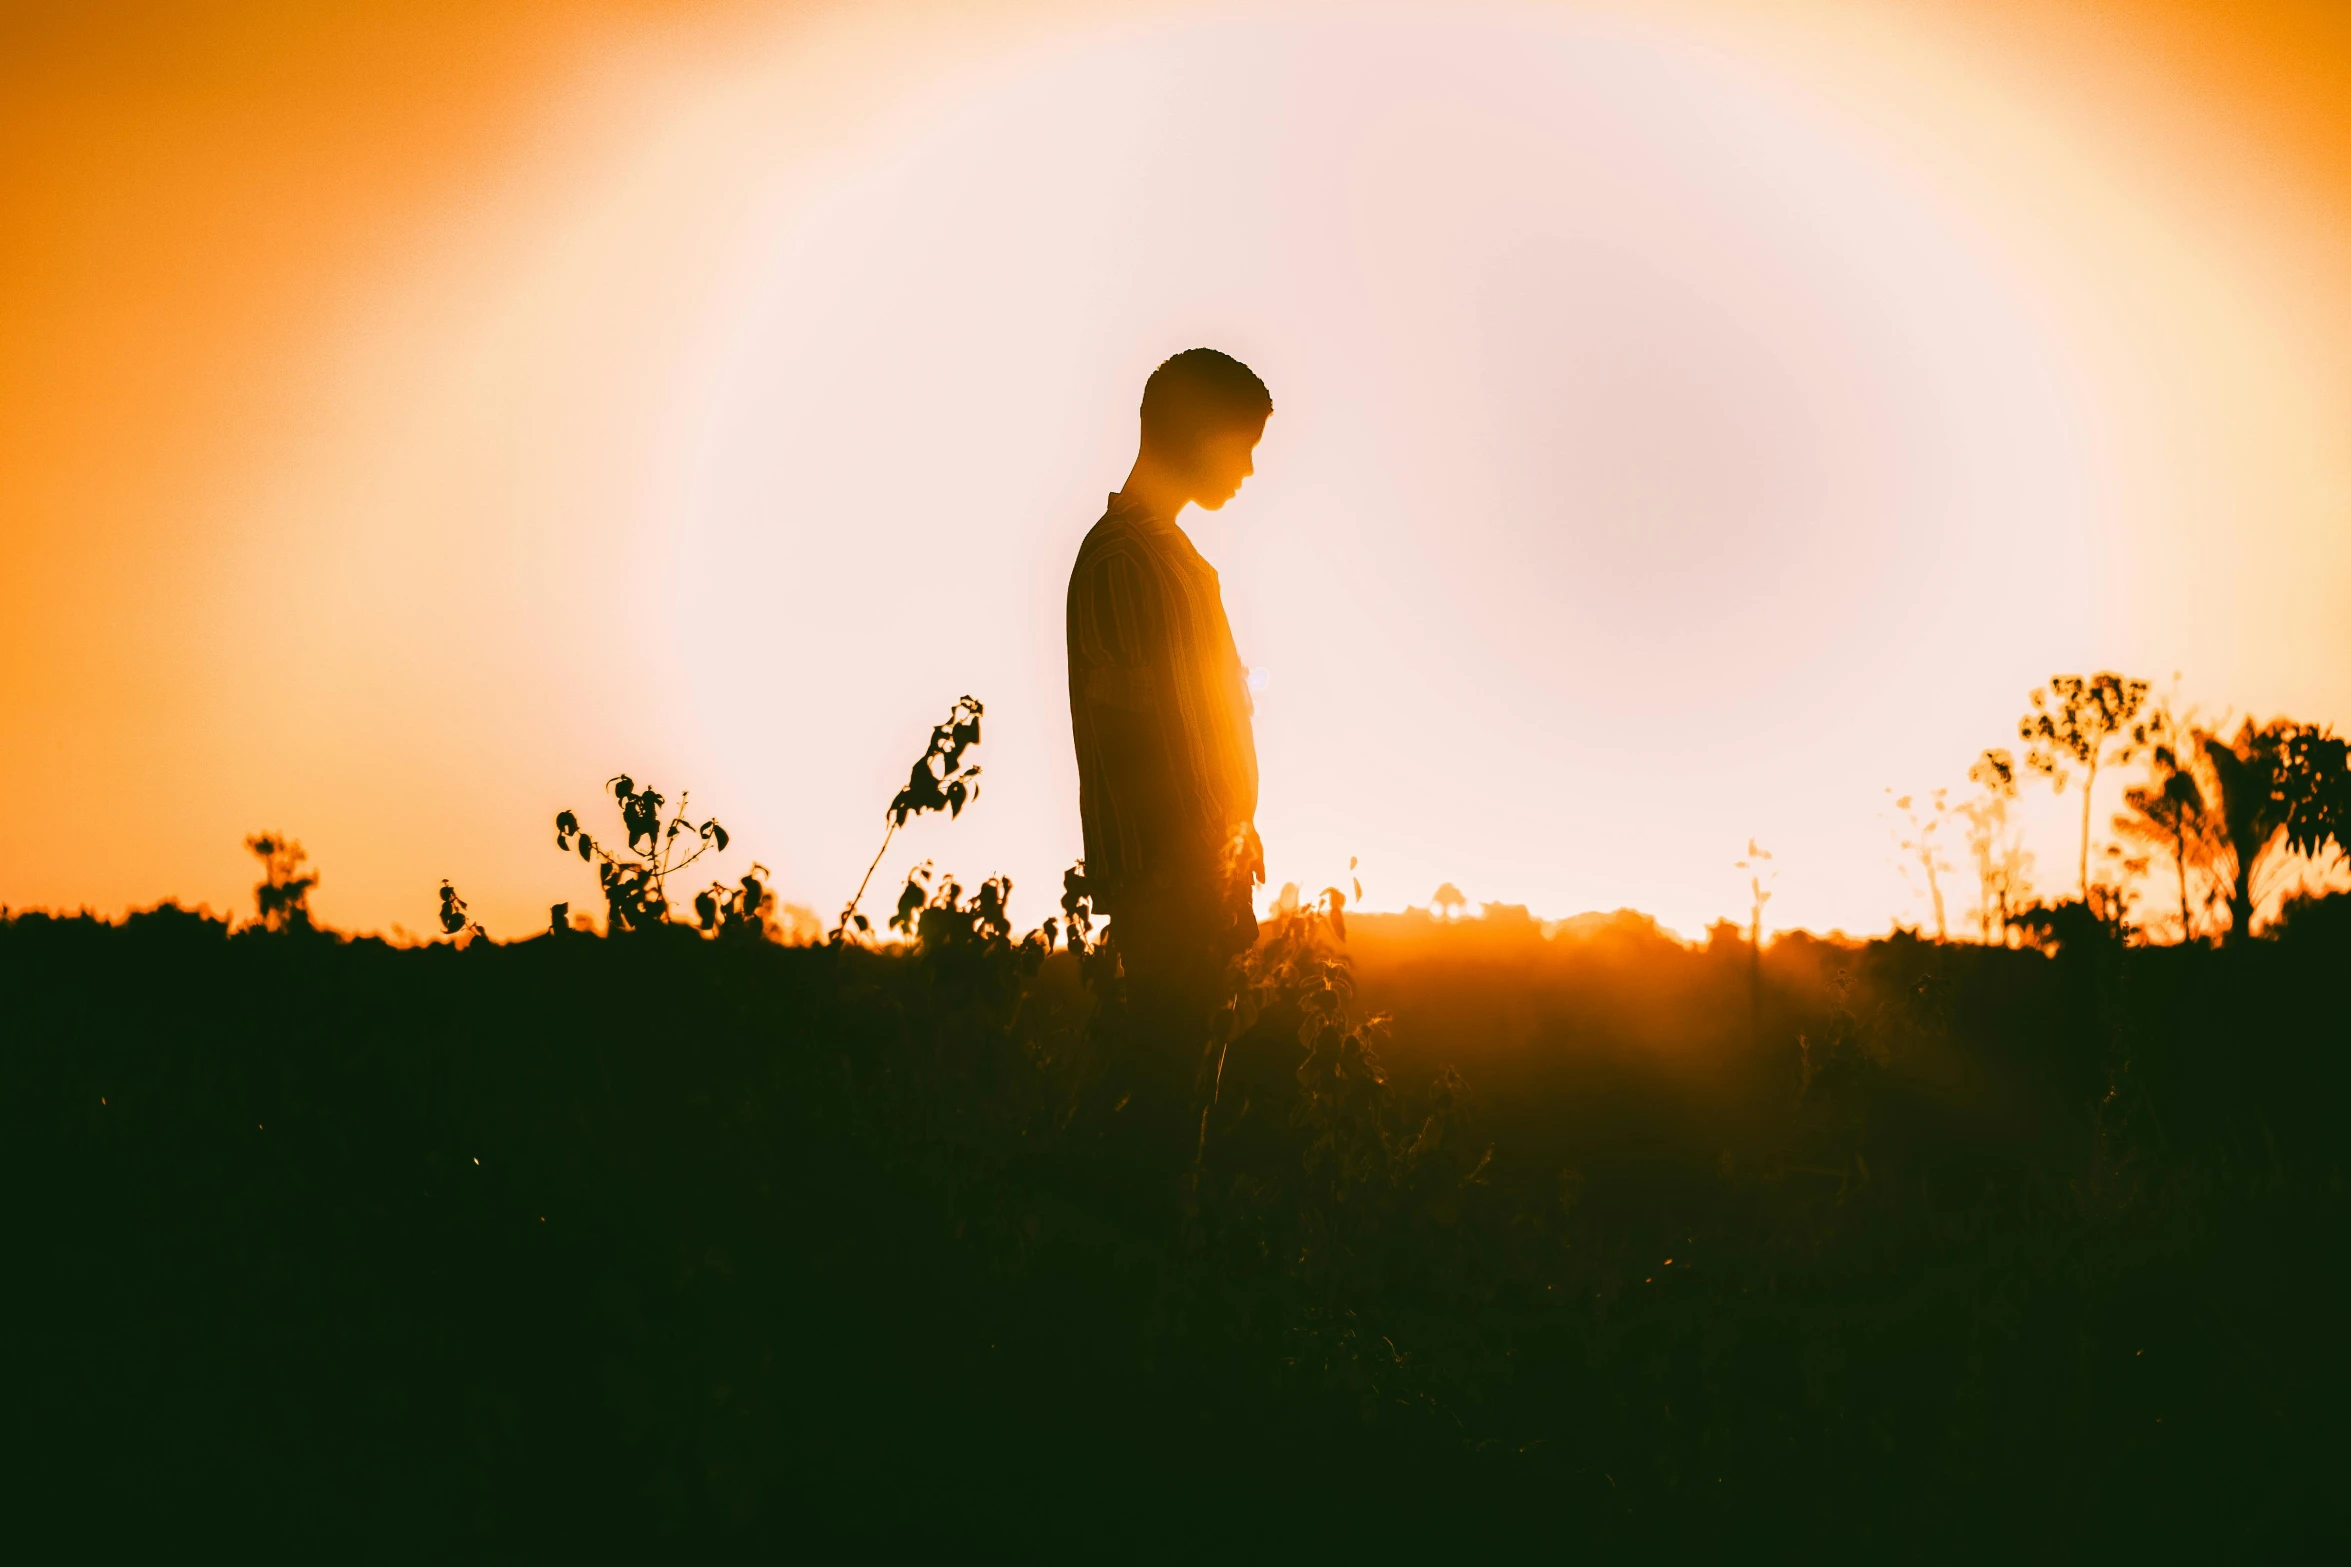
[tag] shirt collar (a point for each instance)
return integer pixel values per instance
(1121, 505)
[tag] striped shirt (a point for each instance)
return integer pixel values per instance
(1159, 704)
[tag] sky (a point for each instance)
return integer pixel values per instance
(1695, 423)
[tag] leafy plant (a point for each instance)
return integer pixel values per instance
(2283, 787)
(739, 911)
(2317, 787)
(635, 881)
(938, 919)
(940, 780)
(453, 920)
(1077, 907)
(282, 897)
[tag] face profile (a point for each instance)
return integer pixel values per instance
(1222, 459)
(1203, 414)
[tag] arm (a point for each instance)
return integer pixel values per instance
(1122, 652)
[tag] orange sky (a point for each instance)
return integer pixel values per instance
(1693, 420)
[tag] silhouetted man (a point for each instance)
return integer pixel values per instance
(1159, 701)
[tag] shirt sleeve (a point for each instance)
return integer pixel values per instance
(1121, 634)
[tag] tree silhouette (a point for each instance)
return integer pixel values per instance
(2318, 792)
(2169, 814)
(2283, 790)
(2085, 723)
(1448, 901)
(283, 895)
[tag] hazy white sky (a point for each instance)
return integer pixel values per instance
(1686, 429)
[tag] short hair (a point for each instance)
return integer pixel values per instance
(1197, 391)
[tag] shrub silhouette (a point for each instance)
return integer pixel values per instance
(740, 912)
(282, 899)
(635, 882)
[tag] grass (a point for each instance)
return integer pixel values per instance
(1603, 1245)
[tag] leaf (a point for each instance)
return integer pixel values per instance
(587, 847)
(718, 835)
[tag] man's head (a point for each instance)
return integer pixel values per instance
(1203, 413)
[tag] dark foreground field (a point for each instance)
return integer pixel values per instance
(678, 1249)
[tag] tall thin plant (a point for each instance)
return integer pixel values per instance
(2003, 868)
(1923, 845)
(940, 780)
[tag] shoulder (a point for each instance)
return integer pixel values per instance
(1120, 536)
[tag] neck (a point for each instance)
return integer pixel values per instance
(1153, 487)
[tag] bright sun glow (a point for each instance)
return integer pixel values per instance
(1634, 432)
(1682, 438)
